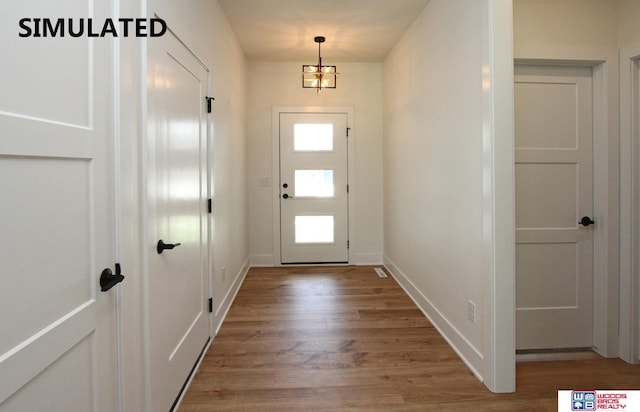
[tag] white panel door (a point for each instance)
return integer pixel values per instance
(314, 199)
(178, 278)
(57, 329)
(554, 191)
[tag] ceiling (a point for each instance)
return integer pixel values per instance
(356, 30)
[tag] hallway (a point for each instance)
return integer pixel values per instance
(342, 338)
(115, 150)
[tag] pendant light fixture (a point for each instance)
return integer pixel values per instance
(318, 76)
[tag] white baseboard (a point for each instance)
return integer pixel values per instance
(368, 259)
(217, 322)
(361, 259)
(225, 305)
(192, 375)
(469, 354)
(261, 260)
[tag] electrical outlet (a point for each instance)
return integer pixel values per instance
(224, 273)
(471, 311)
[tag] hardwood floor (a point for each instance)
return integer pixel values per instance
(344, 339)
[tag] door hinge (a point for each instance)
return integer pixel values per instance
(348, 244)
(209, 205)
(347, 188)
(348, 128)
(209, 100)
(210, 305)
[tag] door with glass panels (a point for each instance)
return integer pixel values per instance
(314, 200)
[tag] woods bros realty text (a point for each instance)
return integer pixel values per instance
(88, 27)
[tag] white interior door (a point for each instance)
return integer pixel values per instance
(314, 198)
(554, 191)
(57, 329)
(178, 279)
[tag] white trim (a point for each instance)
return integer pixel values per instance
(369, 259)
(132, 209)
(145, 204)
(117, 201)
(209, 193)
(605, 299)
(629, 344)
(275, 155)
(179, 39)
(223, 309)
(498, 193)
(275, 180)
(469, 354)
(192, 375)
(261, 260)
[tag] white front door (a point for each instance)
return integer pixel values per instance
(554, 191)
(178, 282)
(57, 329)
(314, 198)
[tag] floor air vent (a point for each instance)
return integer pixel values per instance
(380, 272)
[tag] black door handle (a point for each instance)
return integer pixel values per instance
(164, 246)
(285, 196)
(109, 280)
(586, 221)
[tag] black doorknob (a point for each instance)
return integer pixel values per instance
(285, 185)
(161, 246)
(285, 196)
(586, 221)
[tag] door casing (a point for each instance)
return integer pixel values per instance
(605, 283)
(564, 324)
(337, 205)
(152, 349)
(629, 203)
(275, 147)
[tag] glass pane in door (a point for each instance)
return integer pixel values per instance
(314, 229)
(313, 137)
(313, 183)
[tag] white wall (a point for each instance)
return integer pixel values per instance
(203, 27)
(443, 157)
(278, 84)
(586, 31)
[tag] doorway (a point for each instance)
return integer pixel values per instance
(319, 172)
(178, 281)
(554, 207)
(314, 189)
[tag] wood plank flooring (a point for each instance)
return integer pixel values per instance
(344, 339)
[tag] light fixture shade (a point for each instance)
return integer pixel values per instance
(319, 77)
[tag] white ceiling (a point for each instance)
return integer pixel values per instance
(356, 30)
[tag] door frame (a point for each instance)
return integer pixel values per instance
(605, 281)
(146, 204)
(629, 345)
(275, 186)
